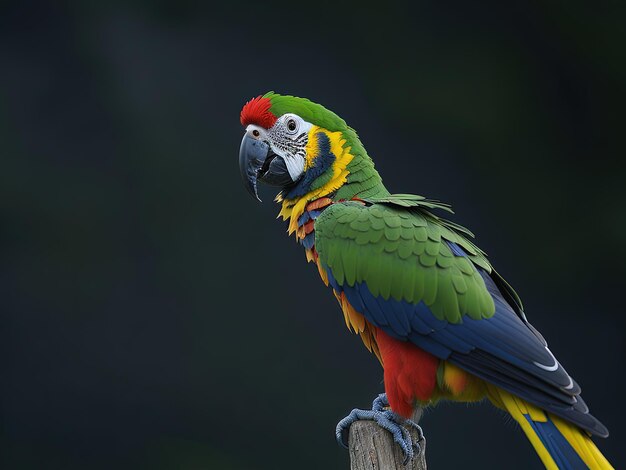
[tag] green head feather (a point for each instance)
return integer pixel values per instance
(307, 110)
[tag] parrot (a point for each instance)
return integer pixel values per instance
(422, 296)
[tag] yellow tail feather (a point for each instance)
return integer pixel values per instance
(524, 412)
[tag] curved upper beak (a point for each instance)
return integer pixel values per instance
(252, 155)
(257, 161)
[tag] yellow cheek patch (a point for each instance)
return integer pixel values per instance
(312, 148)
(292, 209)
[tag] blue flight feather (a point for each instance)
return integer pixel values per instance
(503, 349)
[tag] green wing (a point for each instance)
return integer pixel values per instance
(417, 277)
(399, 249)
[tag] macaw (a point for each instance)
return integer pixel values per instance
(423, 297)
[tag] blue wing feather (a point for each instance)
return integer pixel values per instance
(503, 349)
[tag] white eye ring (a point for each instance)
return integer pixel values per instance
(292, 125)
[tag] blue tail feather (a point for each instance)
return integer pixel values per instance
(561, 451)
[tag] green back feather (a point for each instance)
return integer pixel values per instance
(398, 248)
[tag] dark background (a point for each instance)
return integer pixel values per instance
(155, 316)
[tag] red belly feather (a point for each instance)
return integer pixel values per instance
(410, 373)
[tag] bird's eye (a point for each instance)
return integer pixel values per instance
(256, 133)
(291, 125)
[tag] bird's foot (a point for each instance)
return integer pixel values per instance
(386, 419)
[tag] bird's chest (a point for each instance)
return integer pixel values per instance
(305, 232)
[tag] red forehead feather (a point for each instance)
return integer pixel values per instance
(257, 111)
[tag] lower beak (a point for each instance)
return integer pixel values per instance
(258, 162)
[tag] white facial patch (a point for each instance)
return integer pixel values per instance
(295, 167)
(288, 139)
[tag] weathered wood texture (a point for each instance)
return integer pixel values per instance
(372, 448)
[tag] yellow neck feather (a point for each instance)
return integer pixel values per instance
(292, 209)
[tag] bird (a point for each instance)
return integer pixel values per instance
(422, 296)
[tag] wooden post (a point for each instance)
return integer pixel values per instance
(372, 448)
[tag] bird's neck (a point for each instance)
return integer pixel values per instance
(337, 169)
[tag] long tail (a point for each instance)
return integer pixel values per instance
(560, 445)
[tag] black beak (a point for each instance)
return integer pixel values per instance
(258, 162)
